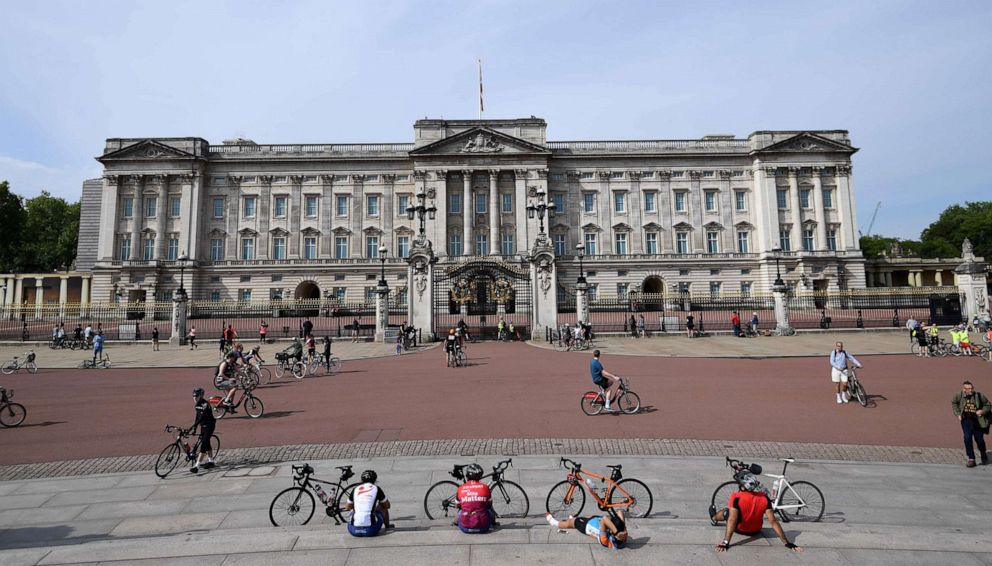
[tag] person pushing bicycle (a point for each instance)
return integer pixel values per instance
(609, 530)
(602, 378)
(839, 358)
(206, 422)
(746, 511)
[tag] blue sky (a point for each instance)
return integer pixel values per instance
(910, 80)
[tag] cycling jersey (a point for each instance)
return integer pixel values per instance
(752, 508)
(450, 343)
(204, 415)
(364, 499)
(475, 500)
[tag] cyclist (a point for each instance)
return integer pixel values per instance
(311, 347)
(205, 420)
(838, 370)
(463, 331)
(451, 346)
(602, 378)
(369, 506)
(227, 380)
(327, 353)
(88, 334)
(77, 334)
(98, 346)
(921, 332)
(933, 334)
(965, 341)
(609, 530)
(746, 509)
(252, 355)
(475, 503)
(295, 350)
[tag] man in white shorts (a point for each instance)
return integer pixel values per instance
(838, 370)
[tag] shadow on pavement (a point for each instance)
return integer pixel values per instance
(46, 423)
(27, 537)
(280, 414)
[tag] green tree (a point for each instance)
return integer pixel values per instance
(51, 229)
(973, 221)
(12, 215)
(874, 246)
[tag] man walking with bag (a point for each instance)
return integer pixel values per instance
(972, 409)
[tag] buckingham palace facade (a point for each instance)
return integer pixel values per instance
(709, 215)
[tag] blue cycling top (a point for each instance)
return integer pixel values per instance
(596, 369)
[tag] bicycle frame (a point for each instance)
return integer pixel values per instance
(576, 479)
(303, 477)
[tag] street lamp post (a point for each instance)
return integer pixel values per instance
(382, 262)
(421, 211)
(580, 251)
(778, 272)
(182, 272)
(540, 207)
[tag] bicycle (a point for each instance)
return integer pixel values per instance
(457, 359)
(593, 402)
(793, 501)
(168, 458)
(568, 497)
(11, 414)
(509, 499)
(15, 365)
(855, 387)
(294, 506)
(285, 363)
(253, 405)
(90, 364)
(320, 365)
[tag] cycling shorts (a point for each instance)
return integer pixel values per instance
(369, 531)
(206, 431)
(226, 384)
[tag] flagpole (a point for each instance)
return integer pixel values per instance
(481, 107)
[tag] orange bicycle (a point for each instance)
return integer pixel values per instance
(567, 498)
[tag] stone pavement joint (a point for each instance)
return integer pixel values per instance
(238, 457)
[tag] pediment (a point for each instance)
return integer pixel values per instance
(372, 230)
(621, 227)
(341, 231)
(404, 230)
(278, 232)
(146, 150)
(744, 225)
(480, 141)
(713, 226)
(310, 231)
(653, 227)
(683, 227)
(558, 228)
(807, 142)
(590, 227)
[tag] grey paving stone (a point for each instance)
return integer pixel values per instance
(910, 558)
(69, 484)
(571, 554)
(335, 557)
(22, 556)
(122, 509)
(24, 501)
(167, 547)
(168, 524)
(396, 555)
(216, 560)
(657, 554)
(99, 496)
(245, 519)
(69, 532)
(7, 488)
(18, 517)
(197, 489)
(230, 503)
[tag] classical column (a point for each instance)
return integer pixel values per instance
(440, 221)
(264, 214)
(797, 217)
(665, 243)
(137, 212)
(494, 244)
(84, 296)
(869, 278)
(108, 218)
(161, 212)
(938, 277)
(232, 217)
(635, 213)
(295, 217)
(39, 296)
(8, 295)
(467, 211)
(63, 294)
(888, 278)
(845, 208)
(821, 219)
(18, 290)
(698, 235)
(764, 205)
(356, 216)
(327, 213)
(520, 210)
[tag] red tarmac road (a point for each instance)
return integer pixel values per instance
(508, 391)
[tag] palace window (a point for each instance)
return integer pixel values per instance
(679, 201)
(175, 206)
(310, 247)
(559, 201)
(341, 205)
(215, 296)
(620, 240)
(745, 288)
(740, 201)
(828, 198)
(280, 207)
(832, 239)
(589, 203)
(710, 201)
(784, 241)
(249, 207)
(372, 247)
(619, 202)
(651, 242)
(808, 240)
(403, 246)
(804, 198)
(310, 206)
(507, 200)
(592, 292)
(560, 244)
(148, 249)
(682, 242)
(454, 244)
(339, 293)
(649, 201)
(622, 289)
(714, 288)
(742, 241)
(712, 242)
(783, 199)
(218, 206)
(244, 295)
(506, 244)
(481, 244)
(216, 249)
(127, 207)
(247, 248)
(480, 202)
(372, 205)
(341, 247)
(455, 203)
(402, 203)
(590, 243)
(279, 248)
(151, 207)
(125, 248)
(172, 250)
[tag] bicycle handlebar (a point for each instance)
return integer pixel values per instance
(304, 470)
(502, 466)
(178, 429)
(575, 466)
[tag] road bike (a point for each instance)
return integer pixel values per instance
(793, 501)
(319, 365)
(286, 363)
(16, 364)
(593, 402)
(11, 414)
(568, 497)
(855, 387)
(572, 344)
(294, 506)
(509, 499)
(457, 359)
(89, 364)
(253, 405)
(169, 457)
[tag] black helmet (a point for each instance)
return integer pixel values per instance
(198, 392)
(748, 481)
(473, 472)
(369, 476)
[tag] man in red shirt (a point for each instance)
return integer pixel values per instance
(735, 321)
(475, 503)
(745, 512)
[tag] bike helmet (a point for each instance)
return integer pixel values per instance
(198, 392)
(748, 481)
(369, 476)
(473, 472)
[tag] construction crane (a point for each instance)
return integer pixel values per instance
(872, 221)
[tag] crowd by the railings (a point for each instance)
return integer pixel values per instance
(926, 341)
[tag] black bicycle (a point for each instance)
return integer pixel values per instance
(11, 414)
(509, 499)
(294, 506)
(168, 459)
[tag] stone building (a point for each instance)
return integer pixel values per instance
(308, 220)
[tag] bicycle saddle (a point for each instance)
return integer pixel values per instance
(343, 467)
(789, 460)
(617, 467)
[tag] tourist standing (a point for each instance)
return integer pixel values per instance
(972, 409)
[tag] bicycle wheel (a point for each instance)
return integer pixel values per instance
(85, 364)
(215, 445)
(565, 499)
(299, 370)
(343, 497)
(254, 406)
(810, 494)
(167, 460)
(291, 508)
(509, 500)
(218, 410)
(440, 501)
(106, 363)
(31, 367)
(643, 501)
(251, 377)
(8, 368)
(316, 368)
(265, 375)
(592, 403)
(12, 414)
(721, 497)
(915, 349)
(335, 365)
(280, 369)
(859, 393)
(461, 360)
(629, 402)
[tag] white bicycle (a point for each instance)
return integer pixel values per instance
(793, 501)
